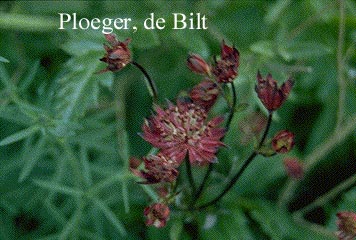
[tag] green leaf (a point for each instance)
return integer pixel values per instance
(2, 59)
(82, 47)
(78, 89)
(231, 224)
(278, 224)
(275, 10)
(30, 76)
(31, 157)
(265, 48)
(303, 50)
(29, 23)
(53, 186)
(19, 135)
(110, 216)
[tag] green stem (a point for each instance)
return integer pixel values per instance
(233, 106)
(151, 83)
(242, 169)
(120, 89)
(190, 175)
(351, 181)
(319, 152)
(211, 165)
(340, 66)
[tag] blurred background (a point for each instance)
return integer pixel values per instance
(63, 155)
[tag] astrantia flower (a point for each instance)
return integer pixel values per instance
(117, 55)
(158, 168)
(283, 141)
(225, 70)
(270, 94)
(197, 64)
(183, 129)
(346, 223)
(294, 168)
(205, 94)
(157, 215)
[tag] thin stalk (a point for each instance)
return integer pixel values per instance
(319, 153)
(233, 106)
(151, 83)
(351, 181)
(340, 66)
(242, 169)
(190, 175)
(211, 165)
(269, 121)
(120, 89)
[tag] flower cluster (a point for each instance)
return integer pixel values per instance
(346, 223)
(224, 70)
(182, 130)
(184, 133)
(117, 55)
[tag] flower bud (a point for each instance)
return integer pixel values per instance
(157, 215)
(270, 94)
(117, 54)
(197, 64)
(294, 168)
(346, 223)
(226, 69)
(283, 141)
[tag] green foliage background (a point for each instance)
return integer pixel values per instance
(65, 141)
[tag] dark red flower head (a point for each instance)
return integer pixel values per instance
(226, 69)
(294, 168)
(159, 168)
(157, 215)
(270, 94)
(346, 223)
(183, 129)
(198, 65)
(117, 55)
(283, 141)
(205, 94)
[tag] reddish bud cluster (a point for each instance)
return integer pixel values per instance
(224, 70)
(198, 65)
(270, 94)
(158, 169)
(346, 223)
(157, 215)
(294, 168)
(117, 55)
(283, 141)
(182, 130)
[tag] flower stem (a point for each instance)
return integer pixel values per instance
(340, 66)
(242, 169)
(232, 110)
(120, 89)
(269, 121)
(328, 196)
(190, 175)
(211, 165)
(318, 154)
(151, 83)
